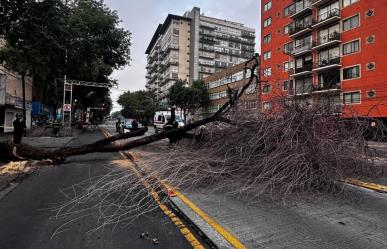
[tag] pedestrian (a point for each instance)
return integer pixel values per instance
(134, 125)
(57, 125)
(118, 126)
(18, 129)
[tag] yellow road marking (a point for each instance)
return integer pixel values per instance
(369, 185)
(222, 231)
(188, 235)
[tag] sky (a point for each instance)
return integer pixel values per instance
(142, 17)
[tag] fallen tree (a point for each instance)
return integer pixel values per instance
(106, 145)
(252, 155)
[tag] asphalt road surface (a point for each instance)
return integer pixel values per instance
(27, 222)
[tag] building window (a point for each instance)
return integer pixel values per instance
(285, 87)
(288, 48)
(267, 38)
(352, 98)
(351, 47)
(303, 86)
(351, 73)
(267, 55)
(286, 66)
(266, 106)
(267, 71)
(349, 2)
(287, 29)
(267, 6)
(267, 22)
(351, 23)
(287, 10)
(251, 104)
(266, 89)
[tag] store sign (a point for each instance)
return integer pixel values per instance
(19, 104)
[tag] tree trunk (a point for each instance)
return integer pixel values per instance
(24, 103)
(107, 145)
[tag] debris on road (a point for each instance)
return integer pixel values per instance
(16, 171)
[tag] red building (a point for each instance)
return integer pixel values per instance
(332, 50)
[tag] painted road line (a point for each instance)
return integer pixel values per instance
(188, 235)
(228, 236)
(368, 185)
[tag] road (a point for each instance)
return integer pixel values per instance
(27, 221)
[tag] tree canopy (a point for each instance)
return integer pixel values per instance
(188, 98)
(50, 38)
(139, 104)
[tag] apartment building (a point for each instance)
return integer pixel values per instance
(193, 46)
(326, 50)
(11, 99)
(234, 78)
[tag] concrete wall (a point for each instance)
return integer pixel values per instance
(184, 49)
(194, 54)
(11, 85)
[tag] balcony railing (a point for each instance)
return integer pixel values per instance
(334, 36)
(300, 7)
(248, 35)
(322, 86)
(329, 14)
(305, 68)
(320, 2)
(326, 62)
(298, 27)
(300, 49)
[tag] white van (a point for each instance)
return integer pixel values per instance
(161, 118)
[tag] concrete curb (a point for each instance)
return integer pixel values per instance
(209, 232)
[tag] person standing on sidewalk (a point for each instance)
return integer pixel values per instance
(18, 129)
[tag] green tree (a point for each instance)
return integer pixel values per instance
(50, 38)
(138, 104)
(188, 98)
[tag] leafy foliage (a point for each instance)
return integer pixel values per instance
(139, 104)
(50, 38)
(189, 99)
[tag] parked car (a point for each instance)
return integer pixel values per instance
(127, 126)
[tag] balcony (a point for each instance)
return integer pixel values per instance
(306, 69)
(301, 8)
(302, 49)
(327, 87)
(328, 63)
(326, 18)
(208, 33)
(207, 48)
(173, 46)
(248, 35)
(327, 40)
(300, 29)
(317, 3)
(207, 39)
